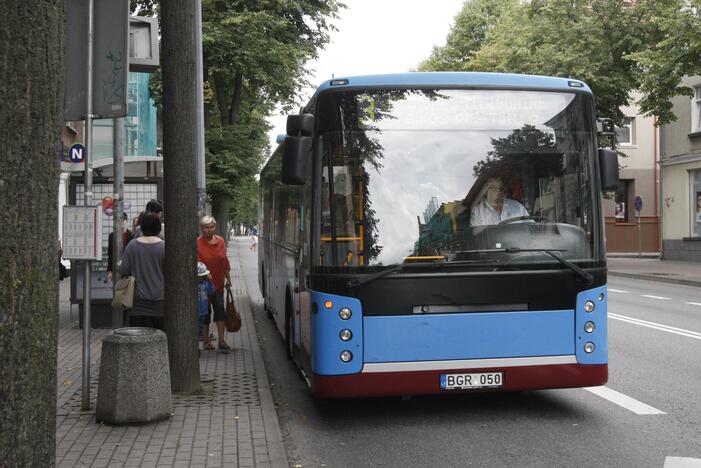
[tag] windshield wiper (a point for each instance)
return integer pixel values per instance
(399, 266)
(373, 276)
(586, 276)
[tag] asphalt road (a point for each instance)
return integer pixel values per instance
(651, 419)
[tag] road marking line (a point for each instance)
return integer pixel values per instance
(618, 291)
(656, 297)
(693, 303)
(624, 401)
(682, 462)
(657, 326)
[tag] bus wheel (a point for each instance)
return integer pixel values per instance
(268, 310)
(289, 327)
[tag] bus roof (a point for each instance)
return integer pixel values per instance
(456, 79)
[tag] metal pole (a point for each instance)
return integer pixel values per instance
(640, 241)
(660, 177)
(118, 190)
(199, 113)
(87, 275)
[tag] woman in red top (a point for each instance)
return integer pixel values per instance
(211, 250)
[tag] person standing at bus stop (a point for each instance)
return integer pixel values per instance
(144, 259)
(254, 237)
(127, 236)
(211, 250)
(153, 206)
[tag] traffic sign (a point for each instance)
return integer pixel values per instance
(638, 203)
(76, 153)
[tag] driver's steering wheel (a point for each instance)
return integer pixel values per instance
(538, 219)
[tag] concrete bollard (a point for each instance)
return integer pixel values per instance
(134, 385)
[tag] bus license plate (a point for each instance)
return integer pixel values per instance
(467, 381)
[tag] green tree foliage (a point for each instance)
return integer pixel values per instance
(235, 153)
(468, 34)
(254, 54)
(254, 57)
(616, 46)
(674, 51)
(244, 208)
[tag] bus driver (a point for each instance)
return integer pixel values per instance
(494, 207)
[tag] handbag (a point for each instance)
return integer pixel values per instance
(233, 318)
(124, 293)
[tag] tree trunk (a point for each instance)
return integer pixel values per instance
(179, 148)
(236, 99)
(32, 40)
(220, 86)
(205, 80)
(220, 211)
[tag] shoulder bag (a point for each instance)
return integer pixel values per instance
(233, 318)
(124, 293)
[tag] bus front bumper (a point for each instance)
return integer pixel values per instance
(425, 382)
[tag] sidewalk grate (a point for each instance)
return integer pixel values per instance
(223, 390)
(75, 402)
(219, 390)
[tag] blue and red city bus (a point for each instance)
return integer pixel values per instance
(439, 233)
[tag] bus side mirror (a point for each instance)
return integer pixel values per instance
(300, 125)
(296, 152)
(295, 159)
(608, 169)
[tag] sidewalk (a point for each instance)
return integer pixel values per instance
(233, 423)
(654, 269)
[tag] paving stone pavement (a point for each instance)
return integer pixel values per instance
(232, 423)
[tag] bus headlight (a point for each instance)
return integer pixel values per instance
(589, 347)
(346, 334)
(589, 327)
(601, 296)
(346, 356)
(589, 306)
(345, 313)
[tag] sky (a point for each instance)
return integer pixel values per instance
(378, 36)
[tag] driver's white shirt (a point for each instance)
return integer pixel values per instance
(483, 213)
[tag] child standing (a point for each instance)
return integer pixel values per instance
(205, 290)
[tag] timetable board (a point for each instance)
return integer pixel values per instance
(82, 232)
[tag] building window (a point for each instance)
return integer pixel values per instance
(695, 203)
(624, 133)
(622, 205)
(696, 110)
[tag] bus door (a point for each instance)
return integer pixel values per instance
(342, 214)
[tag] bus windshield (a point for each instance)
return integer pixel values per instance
(456, 177)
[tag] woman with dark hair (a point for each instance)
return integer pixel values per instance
(144, 259)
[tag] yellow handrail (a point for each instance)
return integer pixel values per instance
(426, 257)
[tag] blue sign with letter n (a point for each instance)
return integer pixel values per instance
(76, 153)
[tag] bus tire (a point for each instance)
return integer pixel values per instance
(289, 327)
(268, 310)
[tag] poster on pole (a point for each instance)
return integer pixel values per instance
(110, 59)
(82, 232)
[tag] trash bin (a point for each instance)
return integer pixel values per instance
(134, 385)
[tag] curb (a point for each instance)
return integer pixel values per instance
(625, 255)
(273, 434)
(659, 279)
